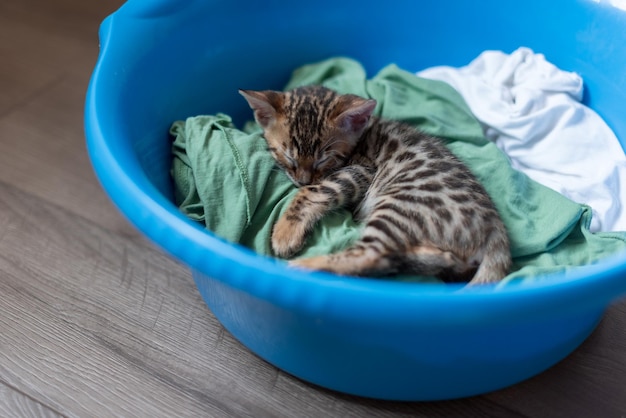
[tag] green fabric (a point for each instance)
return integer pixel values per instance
(225, 178)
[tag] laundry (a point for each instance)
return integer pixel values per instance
(533, 112)
(225, 178)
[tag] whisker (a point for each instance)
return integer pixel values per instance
(331, 144)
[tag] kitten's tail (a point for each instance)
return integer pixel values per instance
(363, 259)
(496, 262)
(366, 259)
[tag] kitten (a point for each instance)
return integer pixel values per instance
(424, 212)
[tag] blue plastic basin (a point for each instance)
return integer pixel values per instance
(163, 60)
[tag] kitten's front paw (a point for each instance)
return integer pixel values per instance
(287, 238)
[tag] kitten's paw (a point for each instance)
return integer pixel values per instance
(309, 263)
(287, 238)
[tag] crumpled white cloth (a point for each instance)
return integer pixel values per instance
(532, 111)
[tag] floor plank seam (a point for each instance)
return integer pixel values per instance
(143, 242)
(33, 399)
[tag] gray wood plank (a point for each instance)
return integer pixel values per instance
(41, 40)
(43, 78)
(15, 404)
(92, 323)
(48, 156)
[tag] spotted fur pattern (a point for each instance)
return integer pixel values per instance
(424, 211)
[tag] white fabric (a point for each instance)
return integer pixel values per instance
(532, 111)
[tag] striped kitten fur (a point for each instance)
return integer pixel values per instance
(424, 212)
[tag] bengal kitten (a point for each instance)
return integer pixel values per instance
(424, 212)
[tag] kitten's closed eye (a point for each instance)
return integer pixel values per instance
(321, 163)
(300, 173)
(290, 163)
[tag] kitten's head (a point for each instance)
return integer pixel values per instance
(311, 131)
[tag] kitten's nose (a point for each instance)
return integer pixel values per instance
(303, 178)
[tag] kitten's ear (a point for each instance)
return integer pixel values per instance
(355, 114)
(265, 105)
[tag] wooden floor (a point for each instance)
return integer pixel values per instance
(96, 322)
